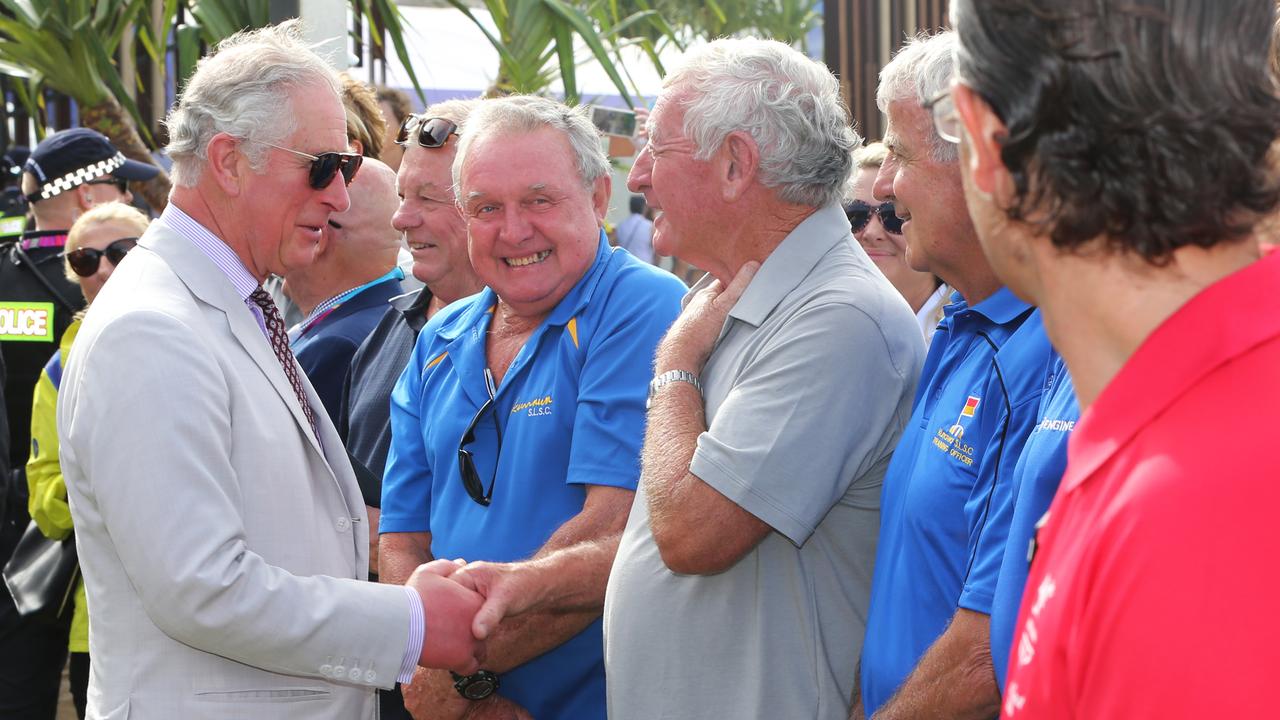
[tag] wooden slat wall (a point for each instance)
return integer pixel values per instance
(861, 36)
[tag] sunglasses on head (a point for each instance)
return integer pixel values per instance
(84, 261)
(121, 184)
(432, 132)
(326, 166)
(859, 214)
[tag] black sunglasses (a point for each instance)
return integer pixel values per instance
(84, 261)
(432, 132)
(859, 214)
(121, 184)
(466, 461)
(326, 166)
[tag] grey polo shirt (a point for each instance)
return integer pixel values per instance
(807, 390)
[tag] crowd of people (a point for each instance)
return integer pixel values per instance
(968, 422)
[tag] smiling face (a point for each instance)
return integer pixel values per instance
(676, 186)
(888, 250)
(98, 237)
(925, 191)
(533, 227)
(428, 215)
(280, 214)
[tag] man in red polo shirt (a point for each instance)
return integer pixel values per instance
(1116, 166)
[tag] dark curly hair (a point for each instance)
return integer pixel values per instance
(1148, 121)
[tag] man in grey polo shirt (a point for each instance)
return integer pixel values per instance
(741, 582)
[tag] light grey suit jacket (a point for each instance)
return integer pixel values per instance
(222, 548)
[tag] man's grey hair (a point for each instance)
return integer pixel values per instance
(238, 90)
(455, 111)
(523, 114)
(790, 105)
(921, 70)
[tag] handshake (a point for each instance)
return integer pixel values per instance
(463, 603)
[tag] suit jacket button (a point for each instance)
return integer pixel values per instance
(343, 524)
(326, 669)
(370, 676)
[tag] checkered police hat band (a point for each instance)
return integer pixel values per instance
(57, 186)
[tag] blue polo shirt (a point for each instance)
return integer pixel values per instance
(570, 411)
(1035, 480)
(945, 505)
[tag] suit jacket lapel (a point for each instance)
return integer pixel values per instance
(208, 283)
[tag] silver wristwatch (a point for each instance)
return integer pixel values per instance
(672, 376)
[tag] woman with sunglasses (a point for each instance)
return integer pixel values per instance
(97, 242)
(879, 231)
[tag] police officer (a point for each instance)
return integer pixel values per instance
(68, 173)
(65, 175)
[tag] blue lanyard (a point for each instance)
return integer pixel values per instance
(323, 309)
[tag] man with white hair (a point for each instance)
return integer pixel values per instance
(217, 517)
(948, 493)
(516, 426)
(741, 583)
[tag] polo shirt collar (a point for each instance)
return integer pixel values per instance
(789, 264)
(569, 306)
(1002, 307)
(1199, 338)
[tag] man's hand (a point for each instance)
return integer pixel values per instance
(693, 335)
(508, 589)
(449, 609)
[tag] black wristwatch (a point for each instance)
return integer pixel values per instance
(478, 686)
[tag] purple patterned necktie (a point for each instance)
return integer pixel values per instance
(280, 344)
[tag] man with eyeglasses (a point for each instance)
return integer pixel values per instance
(1119, 165)
(516, 427)
(67, 173)
(741, 581)
(948, 494)
(218, 519)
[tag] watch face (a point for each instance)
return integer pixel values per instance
(479, 689)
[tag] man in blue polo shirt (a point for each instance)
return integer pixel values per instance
(946, 502)
(516, 427)
(1035, 480)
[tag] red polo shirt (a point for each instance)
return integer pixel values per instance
(1155, 590)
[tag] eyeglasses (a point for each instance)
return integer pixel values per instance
(945, 120)
(859, 214)
(84, 261)
(121, 184)
(466, 461)
(326, 166)
(432, 132)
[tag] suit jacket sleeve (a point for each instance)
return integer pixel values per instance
(147, 431)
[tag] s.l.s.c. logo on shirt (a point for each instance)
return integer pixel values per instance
(536, 407)
(950, 440)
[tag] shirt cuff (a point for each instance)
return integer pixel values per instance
(417, 631)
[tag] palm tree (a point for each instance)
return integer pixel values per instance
(531, 33)
(68, 45)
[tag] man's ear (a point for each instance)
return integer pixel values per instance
(983, 129)
(84, 199)
(225, 164)
(738, 164)
(601, 190)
